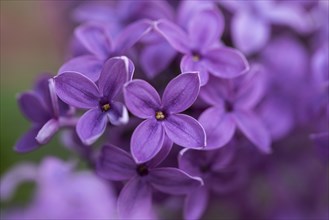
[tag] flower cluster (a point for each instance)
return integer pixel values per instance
(190, 102)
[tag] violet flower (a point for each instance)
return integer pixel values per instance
(47, 114)
(252, 20)
(200, 46)
(218, 172)
(162, 116)
(79, 91)
(135, 199)
(232, 107)
(95, 39)
(61, 193)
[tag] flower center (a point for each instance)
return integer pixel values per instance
(142, 170)
(229, 106)
(159, 115)
(196, 56)
(105, 107)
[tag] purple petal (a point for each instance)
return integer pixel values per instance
(249, 32)
(175, 36)
(141, 98)
(147, 140)
(196, 203)
(91, 126)
(17, 175)
(173, 181)
(77, 90)
(32, 107)
(215, 91)
(252, 90)
(163, 153)
(88, 65)
(47, 131)
(205, 28)
(132, 34)
(135, 200)
(181, 92)
(156, 57)
(185, 131)
(42, 90)
(219, 127)
(118, 114)
(254, 130)
(115, 73)
(95, 39)
(189, 64)
(27, 142)
(226, 62)
(115, 164)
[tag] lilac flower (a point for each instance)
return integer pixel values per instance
(218, 172)
(200, 46)
(232, 106)
(135, 199)
(47, 113)
(95, 39)
(162, 116)
(251, 24)
(79, 91)
(76, 195)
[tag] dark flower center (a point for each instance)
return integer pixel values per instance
(142, 170)
(196, 56)
(229, 106)
(159, 115)
(105, 107)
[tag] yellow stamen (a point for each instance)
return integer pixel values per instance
(196, 58)
(106, 107)
(159, 115)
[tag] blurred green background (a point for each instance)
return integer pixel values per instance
(31, 42)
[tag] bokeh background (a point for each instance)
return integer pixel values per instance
(32, 42)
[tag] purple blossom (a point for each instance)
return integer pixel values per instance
(47, 114)
(95, 40)
(79, 91)
(76, 195)
(162, 116)
(219, 173)
(135, 199)
(232, 107)
(252, 20)
(200, 46)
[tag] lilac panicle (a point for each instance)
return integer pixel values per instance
(162, 116)
(201, 51)
(232, 108)
(79, 91)
(47, 114)
(135, 199)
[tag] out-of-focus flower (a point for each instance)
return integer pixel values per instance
(79, 91)
(47, 114)
(60, 192)
(232, 107)
(252, 21)
(135, 199)
(162, 116)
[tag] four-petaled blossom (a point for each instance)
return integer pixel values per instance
(135, 199)
(218, 171)
(200, 46)
(232, 106)
(162, 116)
(46, 112)
(79, 91)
